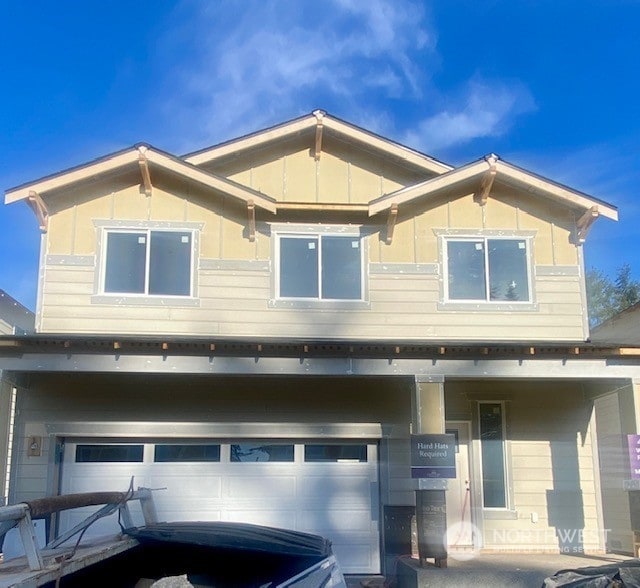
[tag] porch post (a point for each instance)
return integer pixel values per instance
(428, 417)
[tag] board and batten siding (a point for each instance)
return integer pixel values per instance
(234, 275)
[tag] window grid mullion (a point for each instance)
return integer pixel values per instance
(320, 297)
(147, 262)
(487, 280)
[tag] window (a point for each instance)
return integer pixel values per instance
(185, 452)
(488, 269)
(109, 453)
(320, 267)
(335, 453)
(148, 262)
(244, 452)
(494, 491)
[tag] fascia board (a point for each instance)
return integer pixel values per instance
(252, 140)
(156, 157)
(549, 188)
(426, 188)
(339, 127)
(211, 180)
(385, 145)
(75, 175)
(556, 190)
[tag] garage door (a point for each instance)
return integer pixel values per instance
(318, 487)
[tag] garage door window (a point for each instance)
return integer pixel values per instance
(185, 452)
(248, 452)
(335, 453)
(109, 453)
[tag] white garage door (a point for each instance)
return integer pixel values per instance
(329, 488)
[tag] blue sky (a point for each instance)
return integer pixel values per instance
(552, 86)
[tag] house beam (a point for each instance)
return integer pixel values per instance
(144, 170)
(391, 223)
(584, 223)
(251, 213)
(319, 128)
(482, 195)
(37, 204)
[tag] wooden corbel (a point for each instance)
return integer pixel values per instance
(391, 223)
(35, 201)
(251, 212)
(319, 127)
(144, 170)
(482, 195)
(584, 223)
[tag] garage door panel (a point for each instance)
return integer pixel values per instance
(336, 519)
(353, 557)
(261, 487)
(337, 499)
(185, 487)
(190, 512)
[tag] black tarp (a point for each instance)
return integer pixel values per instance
(623, 575)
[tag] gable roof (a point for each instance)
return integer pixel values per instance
(491, 165)
(133, 156)
(309, 123)
(477, 176)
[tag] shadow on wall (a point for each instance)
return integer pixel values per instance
(565, 506)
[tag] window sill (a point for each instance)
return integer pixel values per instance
(120, 300)
(453, 306)
(499, 514)
(320, 304)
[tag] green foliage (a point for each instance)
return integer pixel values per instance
(606, 297)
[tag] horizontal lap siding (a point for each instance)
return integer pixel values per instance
(237, 302)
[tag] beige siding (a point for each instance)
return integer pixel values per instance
(400, 304)
(58, 398)
(614, 466)
(235, 302)
(550, 462)
(5, 328)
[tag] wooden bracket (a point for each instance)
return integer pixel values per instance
(144, 169)
(482, 195)
(584, 223)
(251, 212)
(35, 201)
(319, 127)
(391, 223)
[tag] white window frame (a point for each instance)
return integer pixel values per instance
(147, 231)
(485, 238)
(305, 232)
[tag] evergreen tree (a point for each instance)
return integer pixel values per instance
(606, 297)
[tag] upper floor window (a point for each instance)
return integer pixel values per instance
(488, 269)
(319, 266)
(152, 262)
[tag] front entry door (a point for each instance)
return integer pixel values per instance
(459, 528)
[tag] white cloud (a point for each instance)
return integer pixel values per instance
(488, 109)
(276, 59)
(259, 62)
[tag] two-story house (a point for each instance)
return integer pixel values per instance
(258, 327)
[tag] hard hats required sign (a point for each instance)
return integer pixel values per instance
(433, 456)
